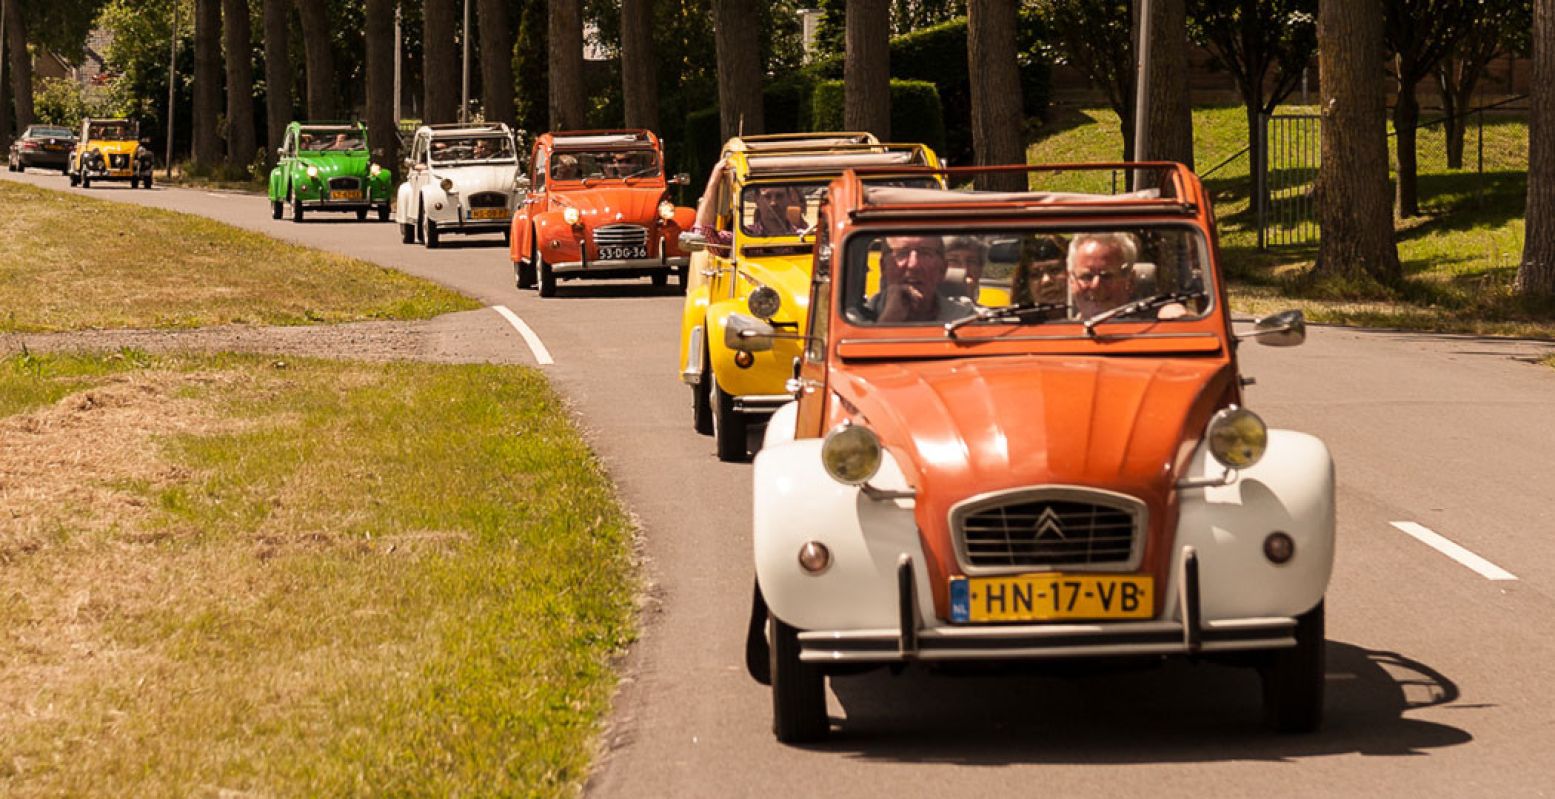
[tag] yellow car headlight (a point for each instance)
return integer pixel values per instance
(666, 210)
(851, 454)
(764, 302)
(571, 216)
(1237, 437)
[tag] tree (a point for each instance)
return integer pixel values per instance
(639, 78)
(532, 68)
(21, 63)
(1265, 45)
(997, 121)
(1096, 37)
(568, 100)
(381, 124)
(1419, 33)
(207, 82)
(866, 71)
(1354, 208)
(278, 74)
(1501, 27)
(318, 58)
(1536, 273)
(440, 62)
(496, 32)
(237, 31)
(1170, 118)
(738, 41)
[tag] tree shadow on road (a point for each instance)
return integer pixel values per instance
(616, 290)
(1179, 712)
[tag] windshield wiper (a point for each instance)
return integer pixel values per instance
(1003, 312)
(1146, 304)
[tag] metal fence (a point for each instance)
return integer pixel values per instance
(1285, 179)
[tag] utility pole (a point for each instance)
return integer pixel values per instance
(464, 97)
(1142, 91)
(5, 135)
(399, 47)
(172, 71)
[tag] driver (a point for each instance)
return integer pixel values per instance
(1101, 271)
(565, 167)
(341, 142)
(777, 209)
(911, 270)
(482, 149)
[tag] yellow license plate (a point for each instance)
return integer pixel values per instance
(488, 213)
(345, 194)
(1050, 597)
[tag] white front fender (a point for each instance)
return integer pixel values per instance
(431, 196)
(402, 210)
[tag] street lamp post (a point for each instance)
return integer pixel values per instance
(464, 98)
(172, 71)
(398, 47)
(1142, 92)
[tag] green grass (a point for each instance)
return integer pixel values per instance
(326, 579)
(69, 262)
(1459, 259)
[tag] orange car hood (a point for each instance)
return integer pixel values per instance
(612, 204)
(960, 428)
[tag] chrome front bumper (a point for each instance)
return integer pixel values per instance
(761, 404)
(911, 640)
(623, 266)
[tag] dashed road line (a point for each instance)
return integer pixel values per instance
(536, 346)
(1440, 543)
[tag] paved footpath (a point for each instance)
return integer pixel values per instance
(1437, 674)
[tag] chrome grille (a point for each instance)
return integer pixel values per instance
(346, 184)
(1056, 528)
(620, 236)
(489, 199)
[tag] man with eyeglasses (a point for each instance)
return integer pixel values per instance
(1101, 271)
(911, 271)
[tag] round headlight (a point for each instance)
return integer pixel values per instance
(666, 210)
(1237, 437)
(571, 216)
(851, 454)
(313, 171)
(764, 302)
(447, 184)
(374, 170)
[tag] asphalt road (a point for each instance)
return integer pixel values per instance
(1439, 678)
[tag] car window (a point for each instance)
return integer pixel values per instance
(780, 209)
(934, 276)
(323, 140)
(111, 131)
(473, 149)
(604, 164)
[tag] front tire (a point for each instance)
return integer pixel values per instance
(661, 279)
(276, 211)
(526, 274)
(361, 214)
(145, 182)
(408, 233)
(729, 426)
(297, 212)
(383, 213)
(430, 232)
(702, 397)
(798, 689)
(547, 280)
(86, 181)
(134, 182)
(1293, 678)
(75, 179)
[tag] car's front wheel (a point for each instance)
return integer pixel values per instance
(276, 210)
(383, 213)
(798, 689)
(297, 212)
(1293, 678)
(729, 425)
(134, 182)
(547, 278)
(430, 232)
(86, 180)
(361, 214)
(145, 182)
(75, 179)
(661, 279)
(702, 397)
(408, 233)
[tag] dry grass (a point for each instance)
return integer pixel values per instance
(225, 577)
(69, 262)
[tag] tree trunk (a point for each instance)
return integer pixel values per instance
(1354, 209)
(21, 64)
(318, 59)
(1255, 154)
(639, 79)
(565, 34)
(997, 120)
(867, 68)
(440, 62)
(207, 82)
(238, 34)
(1406, 115)
(496, 32)
(381, 124)
(1170, 125)
(5, 98)
(532, 66)
(1536, 273)
(737, 35)
(278, 75)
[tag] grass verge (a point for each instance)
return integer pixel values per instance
(1459, 259)
(69, 262)
(320, 578)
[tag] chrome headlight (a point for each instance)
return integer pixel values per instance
(571, 216)
(374, 169)
(764, 302)
(313, 171)
(666, 210)
(851, 454)
(1237, 437)
(447, 184)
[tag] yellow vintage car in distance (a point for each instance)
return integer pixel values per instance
(751, 254)
(110, 149)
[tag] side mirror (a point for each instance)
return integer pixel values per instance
(1284, 329)
(281, 151)
(522, 183)
(691, 241)
(747, 333)
(419, 167)
(681, 179)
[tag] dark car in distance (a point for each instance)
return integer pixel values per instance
(45, 146)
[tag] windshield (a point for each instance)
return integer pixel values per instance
(111, 131)
(472, 148)
(939, 276)
(54, 133)
(320, 141)
(787, 209)
(604, 164)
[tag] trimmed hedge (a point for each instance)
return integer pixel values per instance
(916, 115)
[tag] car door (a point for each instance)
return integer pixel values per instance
(811, 374)
(419, 170)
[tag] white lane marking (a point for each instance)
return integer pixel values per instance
(536, 346)
(1436, 541)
